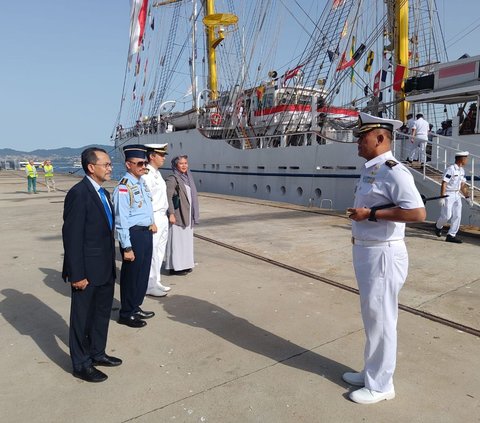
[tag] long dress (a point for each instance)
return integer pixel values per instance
(179, 254)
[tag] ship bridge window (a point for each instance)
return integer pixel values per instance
(347, 167)
(282, 167)
(294, 167)
(261, 167)
(304, 99)
(267, 101)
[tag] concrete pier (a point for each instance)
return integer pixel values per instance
(240, 339)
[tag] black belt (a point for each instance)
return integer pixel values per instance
(140, 228)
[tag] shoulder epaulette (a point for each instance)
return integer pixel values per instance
(391, 163)
(124, 181)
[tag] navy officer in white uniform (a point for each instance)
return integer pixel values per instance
(156, 158)
(135, 225)
(454, 185)
(380, 257)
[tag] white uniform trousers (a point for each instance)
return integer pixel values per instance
(381, 271)
(451, 210)
(419, 150)
(159, 245)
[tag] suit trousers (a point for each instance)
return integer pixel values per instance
(134, 274)
(159, 244)
(381, 271)
(451, 210)
(89, 318)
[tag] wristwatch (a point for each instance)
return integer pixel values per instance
(372, 217)
(128, 249)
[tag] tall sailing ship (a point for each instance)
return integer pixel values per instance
(262, 95)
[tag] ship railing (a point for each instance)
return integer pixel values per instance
(440, 153)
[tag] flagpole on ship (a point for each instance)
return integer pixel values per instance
(194, 51)
(401, 53)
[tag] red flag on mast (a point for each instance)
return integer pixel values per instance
(138, 17)
(398, 77)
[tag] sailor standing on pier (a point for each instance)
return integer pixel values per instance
(135, 226)
(455, 188)
(380, 257)
(156, 158)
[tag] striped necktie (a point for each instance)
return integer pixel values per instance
(106, 206)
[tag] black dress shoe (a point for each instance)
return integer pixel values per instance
(140, 314)
(132, 321)
(453, 239)
(107, 360)
(90, 374)
(180, 272)
(438, 232)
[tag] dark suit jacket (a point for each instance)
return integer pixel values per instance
(87, 238)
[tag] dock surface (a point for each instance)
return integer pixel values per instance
(260, 331)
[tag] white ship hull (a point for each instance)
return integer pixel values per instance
(320, 175)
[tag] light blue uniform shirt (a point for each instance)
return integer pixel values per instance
(133, 207)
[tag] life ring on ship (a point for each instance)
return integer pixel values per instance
(216, 119)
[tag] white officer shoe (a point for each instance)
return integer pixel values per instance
(354, 378)
(163, 287)
(155, 292)
(367, 396)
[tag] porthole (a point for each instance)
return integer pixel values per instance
(300, 191)
(200, 182)
(318, 193)
(255, 188)
(268, 188)
(232, 186)
(283, 190)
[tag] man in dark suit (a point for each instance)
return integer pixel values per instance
(89, 266)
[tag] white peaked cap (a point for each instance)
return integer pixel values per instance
(368, 122)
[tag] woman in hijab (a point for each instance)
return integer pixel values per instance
(183, 213)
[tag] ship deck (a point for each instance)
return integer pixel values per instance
(260, 331)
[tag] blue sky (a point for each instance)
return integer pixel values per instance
(62, 69)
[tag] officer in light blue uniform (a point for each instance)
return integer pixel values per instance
(380, 258)
(134, 224)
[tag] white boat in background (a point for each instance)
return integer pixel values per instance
(258, 122)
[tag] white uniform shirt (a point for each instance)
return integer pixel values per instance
(410, 125)
(380, 184)
(421, 128)
(454, 175)
(158, 189)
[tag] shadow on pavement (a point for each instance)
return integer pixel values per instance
(199, 313)
(31, 317)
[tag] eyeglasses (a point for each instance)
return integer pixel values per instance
(139, 164)
(104, 165)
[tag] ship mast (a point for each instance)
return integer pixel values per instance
(401, 51)
(212, 58)
(215, 24)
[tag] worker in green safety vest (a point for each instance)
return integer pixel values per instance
(48, 170)
(31, 172)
